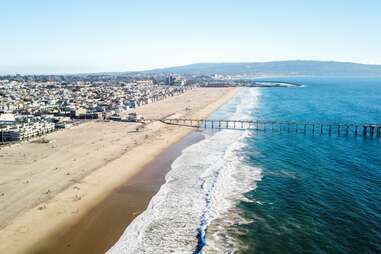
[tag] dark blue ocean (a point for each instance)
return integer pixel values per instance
(247, 191)
(317, 194)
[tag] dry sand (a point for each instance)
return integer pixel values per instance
(45, 188)
(100, 228)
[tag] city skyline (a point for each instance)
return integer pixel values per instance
(97, 36)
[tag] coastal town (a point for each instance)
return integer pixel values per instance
(34, 107)
(31, 106)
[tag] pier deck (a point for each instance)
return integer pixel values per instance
(339, 129)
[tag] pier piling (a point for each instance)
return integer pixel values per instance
(371, 130)
(368, 130)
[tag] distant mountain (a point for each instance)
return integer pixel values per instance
(278, 68)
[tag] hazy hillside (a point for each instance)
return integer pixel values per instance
(315, 68)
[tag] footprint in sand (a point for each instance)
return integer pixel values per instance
(77, 197)
(42, 207)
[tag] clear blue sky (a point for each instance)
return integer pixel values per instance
(65, 36)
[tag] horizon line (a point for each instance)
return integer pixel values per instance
(175, 66)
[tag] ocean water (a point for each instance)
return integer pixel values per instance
(263, 192)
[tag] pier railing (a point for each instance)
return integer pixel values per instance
(340, 129)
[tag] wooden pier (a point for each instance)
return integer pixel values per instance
(343, 129)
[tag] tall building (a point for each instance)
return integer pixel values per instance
(170, 81)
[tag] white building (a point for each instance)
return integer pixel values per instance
(7, 119)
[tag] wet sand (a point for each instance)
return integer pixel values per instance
(98, 230)
(46, 188)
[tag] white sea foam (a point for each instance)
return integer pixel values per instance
(202, 188)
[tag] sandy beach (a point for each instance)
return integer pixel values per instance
(99, 229)
(46, 188)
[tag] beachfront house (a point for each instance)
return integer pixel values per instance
(134, 117)
(7, 119)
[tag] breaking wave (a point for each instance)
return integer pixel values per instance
(194, 208)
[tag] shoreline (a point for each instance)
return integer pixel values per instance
(99, 229)
(34, 227)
